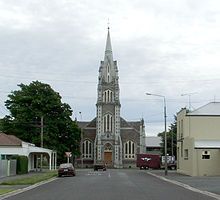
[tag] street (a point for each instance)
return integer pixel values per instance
(110, 185)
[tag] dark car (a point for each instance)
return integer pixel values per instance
(66, 169)
(98, 167)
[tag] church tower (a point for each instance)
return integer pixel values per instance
(108, 143)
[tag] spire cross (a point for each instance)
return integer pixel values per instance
(108, 23)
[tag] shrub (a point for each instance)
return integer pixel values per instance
(22, 164)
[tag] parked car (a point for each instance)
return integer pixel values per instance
(99, 167)
(66, 169)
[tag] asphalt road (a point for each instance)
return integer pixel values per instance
(110, 185)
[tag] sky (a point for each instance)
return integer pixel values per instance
(165, 47)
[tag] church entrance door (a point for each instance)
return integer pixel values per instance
(108, 158)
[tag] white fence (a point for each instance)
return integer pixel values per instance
(7, 168)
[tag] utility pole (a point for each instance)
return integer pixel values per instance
(41, 140)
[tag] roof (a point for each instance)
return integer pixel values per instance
(210, 109)
(209, 144)
(124, 124)
(87, 124)
(9, 140)
(153, 141)
(130, 124)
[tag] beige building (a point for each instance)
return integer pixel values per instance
(198, 141)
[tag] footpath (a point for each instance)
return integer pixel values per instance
(205, 185)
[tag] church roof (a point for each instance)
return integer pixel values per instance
(130, 124)
(124, 124)
(86, 124)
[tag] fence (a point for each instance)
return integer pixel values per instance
(7, 168)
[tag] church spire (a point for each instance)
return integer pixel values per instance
(108, 47)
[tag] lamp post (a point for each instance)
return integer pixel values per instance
(165, 127)
(81, 141)
(41, 140)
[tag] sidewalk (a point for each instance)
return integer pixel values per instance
(209, 184)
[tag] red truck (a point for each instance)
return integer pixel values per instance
(145, 161)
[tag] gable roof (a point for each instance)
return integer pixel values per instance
(9, 140)
(210, 109)
(153, 141)
(86, 124)
(135, 125)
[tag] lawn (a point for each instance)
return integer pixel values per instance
(3, 191)
(32, 179)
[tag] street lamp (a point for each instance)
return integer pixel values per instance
(165, 127)
(81, 132)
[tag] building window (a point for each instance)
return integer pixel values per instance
(181, 130)
(181, 149)
(129, 150)
(87, 149)
(186, 154)
(108, 96)
(178, 131)
(108, 73)
(206, 155)
(107, 123)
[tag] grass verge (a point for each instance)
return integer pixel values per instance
(31, 180)
(4, 191)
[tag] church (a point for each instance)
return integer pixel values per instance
(108, 138)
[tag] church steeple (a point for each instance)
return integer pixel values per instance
(108, 110)
(108, 69)
(108, 47)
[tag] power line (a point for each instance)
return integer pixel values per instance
(85, 81)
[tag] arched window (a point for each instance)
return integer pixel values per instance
(129, 150)
(107, 123)
(108, 73)
(87, 149)
(107, 96)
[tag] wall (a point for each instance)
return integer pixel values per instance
(205, 127)
(186, 163)
(208, 167)
(7, 168)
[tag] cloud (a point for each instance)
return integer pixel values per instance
(165, 46)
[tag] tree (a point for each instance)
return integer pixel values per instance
(37, 100)
(171, 138)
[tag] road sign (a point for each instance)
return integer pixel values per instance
(68, 154)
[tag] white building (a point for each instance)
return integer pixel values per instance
(11, 145)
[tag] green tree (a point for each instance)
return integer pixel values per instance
(171, 138)
(37, 100)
